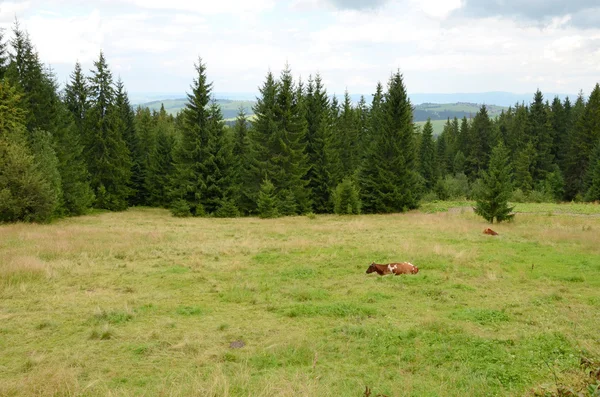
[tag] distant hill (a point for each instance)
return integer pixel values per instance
(438, 112)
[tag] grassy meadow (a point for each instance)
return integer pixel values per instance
(141, 303)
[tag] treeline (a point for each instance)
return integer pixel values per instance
(64, 152)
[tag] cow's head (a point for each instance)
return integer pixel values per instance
(414, 270)
(371, 268)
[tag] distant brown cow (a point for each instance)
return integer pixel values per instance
(393, 268)
(490, 232)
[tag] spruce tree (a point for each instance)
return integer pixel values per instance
(388, 179)
(243, 155)
(558, 123)
(523, 168)
(25, 193)
(138, 156)
(573, 162)
(287, 148)
(76, 98)
(3, 55)
(492, 200)
(109, 162)
(317, 137)
(142, 141)
(347, 136)
(204, 159)
(46, 164)
(585, 137)
(335, 167)
(262, 134)
(593, 176)
(161, 163)
(268, 206)
(427, 156)
(189, 181)
(479, 143)
(541, 133)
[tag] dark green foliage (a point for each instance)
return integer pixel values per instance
(46, 164)
(541, 136)
(459, 163)
(523, 168)
(585, 138)
(427, 156)
(76, 98)
(388, 179)
(204, 162)
(108, 158)
(161, 170)
(142, 141)
(267, 200)
(346, 137)
(288, 157)
(346, 198)
(25, 195)
(318, 148)
(181, 208)
(480, 135)
(227, 209)
(554, 184)
(242, 162)
(3, 55)
(262, 133)
(492, 199)
(593, 178)
(287, 203)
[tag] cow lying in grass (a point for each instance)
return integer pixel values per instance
(490, 232)
(393, 268)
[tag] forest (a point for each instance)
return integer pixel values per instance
(64, 151)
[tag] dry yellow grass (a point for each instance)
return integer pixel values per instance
(141, 303)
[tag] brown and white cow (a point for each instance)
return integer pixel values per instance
(393, 268)
(490, 232)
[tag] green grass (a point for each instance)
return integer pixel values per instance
(142, 303)
(438, 126)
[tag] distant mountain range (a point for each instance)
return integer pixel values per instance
(498, 98)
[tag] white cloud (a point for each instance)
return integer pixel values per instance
(154, 44)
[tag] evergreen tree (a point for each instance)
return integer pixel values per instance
(558, 122)
(243, 155)
(492, 201)
(109, 163)
(317, 137)
(523, 168)
(25, 194)
(27, 72)
(161, 164)
(46, 164)
(593, 178)
(262, 135)
(541, 133)
(267, 200)
(572, 162)
(204, 159)
(141, 139)
(362, 123)
(347, 136)
(479, 143)
(388, 180)
(585, 137)
(76, 98)
(459, 163)
(346, 198)
(427, 156)
(219, 168)
(335, 167)
(138, 156)
(3, 55)
(191, 153)
(287, 148)
(462, 140)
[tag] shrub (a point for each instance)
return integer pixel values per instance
(228, 209)
(346, 198)
(267, 201)
(180, 208)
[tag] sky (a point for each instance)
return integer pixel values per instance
(440, 46)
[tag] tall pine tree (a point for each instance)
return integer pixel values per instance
(427, 156)
(108, 158)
